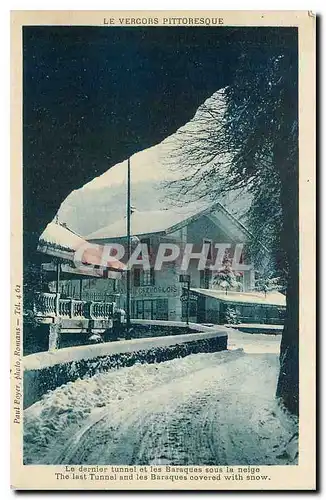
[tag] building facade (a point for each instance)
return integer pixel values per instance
(157, 293)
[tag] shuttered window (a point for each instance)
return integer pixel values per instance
(136, 276)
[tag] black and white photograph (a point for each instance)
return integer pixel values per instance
(158, 320)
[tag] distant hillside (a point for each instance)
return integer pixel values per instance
(87, 210)
(103, 200)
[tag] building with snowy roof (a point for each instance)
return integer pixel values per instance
(59, 244)
(69, 308)
(159, 294)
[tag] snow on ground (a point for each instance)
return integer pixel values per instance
(214, 409)
(254, 343)
(260, 326)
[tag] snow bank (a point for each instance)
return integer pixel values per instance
(258, 328)
(41, 360)
(254, 343)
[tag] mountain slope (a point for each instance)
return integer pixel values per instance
(103, 200)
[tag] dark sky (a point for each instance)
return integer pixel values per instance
(94, 95)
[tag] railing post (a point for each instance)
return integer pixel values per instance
(71, 308)
(57, 302)
(54, 335)
(91, 309)
(35, 299)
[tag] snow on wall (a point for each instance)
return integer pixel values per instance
(46, 371)
(179, 324)
(42, 360)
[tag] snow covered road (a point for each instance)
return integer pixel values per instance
(216, 409)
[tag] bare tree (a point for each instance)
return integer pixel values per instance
(245, 138)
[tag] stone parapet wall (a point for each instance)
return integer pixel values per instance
(48, 370)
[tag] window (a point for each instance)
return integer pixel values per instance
(139, 309)
(273, 313)
(147, 277)
(136, 276)
(150, 309)
(192, 308)
(205, 278)
(143, 277)
(240, 279)
(147, 308)
(247, 312)
(281, 313)
(162, 309)
(259, 313)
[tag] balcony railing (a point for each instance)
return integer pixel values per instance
(51, 305)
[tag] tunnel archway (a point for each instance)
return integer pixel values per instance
(94, 96)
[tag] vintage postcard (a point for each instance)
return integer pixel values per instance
(163, 250)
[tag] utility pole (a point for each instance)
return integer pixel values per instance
(128, 324)
(188, 301)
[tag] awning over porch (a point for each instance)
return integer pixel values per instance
(246, 298)
(76, 253)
